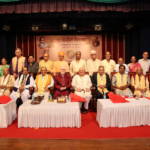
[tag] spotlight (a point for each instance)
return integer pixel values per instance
(64, 26)
(35, 28)
(129, 26)
(98, 27)
(6, 27)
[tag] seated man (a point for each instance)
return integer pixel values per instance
(62, 83)
(140, 84)
(101, 82)
(82, 84)
(44, 82)
(121, 82)
(6, 83)
(22, 86)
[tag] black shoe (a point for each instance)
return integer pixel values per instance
(84, 111)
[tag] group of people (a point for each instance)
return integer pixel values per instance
(25, 78)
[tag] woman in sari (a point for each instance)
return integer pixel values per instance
(134, 65)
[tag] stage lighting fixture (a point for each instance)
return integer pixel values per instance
(129, 26)
(6, 27)
(98, 27)
(72, 27)
(35, 28)
(64, 26)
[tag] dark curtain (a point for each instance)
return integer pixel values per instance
(137, 41)
(7, 45)
(45, 6)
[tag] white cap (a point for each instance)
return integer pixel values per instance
(93, 52)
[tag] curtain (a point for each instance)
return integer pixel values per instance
(108, 1)
(102, 1)
(47, 6)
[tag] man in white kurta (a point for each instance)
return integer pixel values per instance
(6, 83)
(140, 83)
(121, 82)
(145, 62)
(22, 86)
(44, 82)
(93, 63)
(82, 84)
(108, 63)
(77, 64)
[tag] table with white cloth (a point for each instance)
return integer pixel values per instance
(134, 113)
(49, 114)
(7, 114)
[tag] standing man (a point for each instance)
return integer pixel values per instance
(145, 62)
(33, 66)
(93, 63)
(121, 82)
(61, 62)
(108, 63)
(77, 64)
(18, 63)
(46, 63)
(121, 62)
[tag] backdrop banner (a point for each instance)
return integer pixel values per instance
(69, 45)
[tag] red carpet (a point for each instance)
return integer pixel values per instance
(89, 130)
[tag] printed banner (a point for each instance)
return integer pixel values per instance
(69, 45)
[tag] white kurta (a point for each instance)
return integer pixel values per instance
(125, 80)
(93, 65)
(76, 65)
(25, 94)
(145, 64)
(82, 82)
(109, 66)
(7, 81)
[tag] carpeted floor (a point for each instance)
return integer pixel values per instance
(89, 130)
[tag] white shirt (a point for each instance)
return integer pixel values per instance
(76, 65)
(93, 65)
(109, 66)
(82, 82)
(145, 64)
(20, 79)
(126, 68)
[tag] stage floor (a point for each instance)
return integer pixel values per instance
(103, 144)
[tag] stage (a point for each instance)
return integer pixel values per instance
(89, 130)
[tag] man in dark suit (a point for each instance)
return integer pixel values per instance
(101, 83)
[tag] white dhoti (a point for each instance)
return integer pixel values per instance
(87, 96)
(126, 92)
(24, 95)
